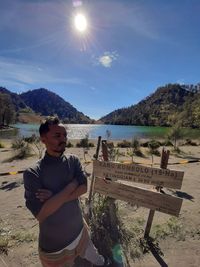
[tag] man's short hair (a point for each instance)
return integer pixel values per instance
(44, 127)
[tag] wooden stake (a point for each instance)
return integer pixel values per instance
(96, 155)
(163, 165)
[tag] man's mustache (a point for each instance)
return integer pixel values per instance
(62, 143)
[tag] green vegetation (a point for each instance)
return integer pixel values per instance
(153, 146)
(48, 103)
(1, 145)
(173, 228)
(69, 144)
(175, 134)
(21, 237)
(124, 144)
(21, 148)
(3, 245)
(85, 143)
(189, 142)
(169, 104)
(7, 112)
(108, 229)
(134, 149)
(9, 238)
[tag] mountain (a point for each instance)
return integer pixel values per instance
(45, 103)
(17, 101)
(166, 106)
(48, 103)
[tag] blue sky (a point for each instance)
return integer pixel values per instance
(129, 49)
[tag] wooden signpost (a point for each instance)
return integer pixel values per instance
(107, 173)
(138, 173)
(139, 196)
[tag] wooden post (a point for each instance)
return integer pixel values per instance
(96, 155)
(104, 150)
(163, 165)
(114, 233)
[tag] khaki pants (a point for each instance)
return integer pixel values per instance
(85, 249)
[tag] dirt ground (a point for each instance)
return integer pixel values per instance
(20, 229)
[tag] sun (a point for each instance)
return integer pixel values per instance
(80, 23)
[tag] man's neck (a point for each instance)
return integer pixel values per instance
(54, 154)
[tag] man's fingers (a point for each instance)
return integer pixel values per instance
(43, 191)
(43, 194)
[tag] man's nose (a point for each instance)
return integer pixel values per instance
(64, 138)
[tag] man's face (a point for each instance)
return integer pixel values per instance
(55, 140)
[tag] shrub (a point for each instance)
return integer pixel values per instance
(31, 139)
(135, 144)
(85, 143)
(3, 245)
(69, 144)
(1, 145)
(22, 148)
(189, 142)
(153, 147)
(124, 144)
(167, 143)
(175, 134)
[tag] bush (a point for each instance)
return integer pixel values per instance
(124, 144)
(21, 148)
(153, 147)
(167, 143)
(69, 144)
(145, 144)
(31, 139)
(85, 143)
(1, 145)
(153, 144)
(189, 142)
(135, 144)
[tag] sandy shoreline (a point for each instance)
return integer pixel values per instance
(16, 221)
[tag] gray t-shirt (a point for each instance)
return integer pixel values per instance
(54, 173)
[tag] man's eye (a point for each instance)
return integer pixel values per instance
(57, 136)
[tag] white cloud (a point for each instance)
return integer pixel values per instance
(107, 59)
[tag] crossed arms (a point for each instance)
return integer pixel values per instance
(52, 203)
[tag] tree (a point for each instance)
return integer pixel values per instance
(175, 134)
(7, 112)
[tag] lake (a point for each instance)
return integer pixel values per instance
(116, 132)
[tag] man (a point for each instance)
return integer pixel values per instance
(52, 189)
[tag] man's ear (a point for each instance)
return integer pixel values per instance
(42, 139)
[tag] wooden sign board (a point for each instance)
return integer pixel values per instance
(138, 173)
(139, 196)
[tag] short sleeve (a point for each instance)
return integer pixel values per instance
(79, 173)
(31, 185)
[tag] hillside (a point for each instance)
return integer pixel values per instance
(48, 103)
(166, 106)
(32, 105)
(17, 101)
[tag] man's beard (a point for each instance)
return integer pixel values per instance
(62, 148)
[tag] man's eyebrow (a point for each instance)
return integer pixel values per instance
(60, 133)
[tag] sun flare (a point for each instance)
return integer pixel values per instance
(80, 22)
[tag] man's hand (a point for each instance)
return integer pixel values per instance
(43, 194)
(53, 202)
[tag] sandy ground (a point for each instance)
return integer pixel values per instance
(19, 226)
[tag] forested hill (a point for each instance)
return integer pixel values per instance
(165, 107)
(16, 100)
(48, 103)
